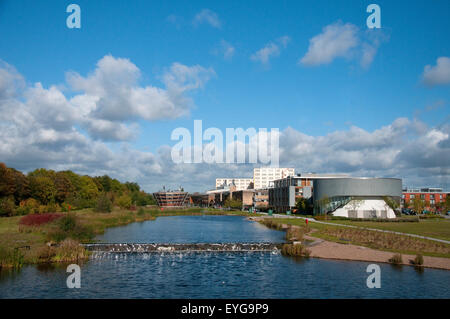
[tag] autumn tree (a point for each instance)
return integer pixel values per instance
(43, 189)
(7, 184)
(64, 187)
(22, 186)
(418, 205)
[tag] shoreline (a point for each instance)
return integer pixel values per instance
(325, 249)
(330, 250)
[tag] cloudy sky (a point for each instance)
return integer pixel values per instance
(104, 99)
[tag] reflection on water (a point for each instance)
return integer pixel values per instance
(193, 229)
(218, 275)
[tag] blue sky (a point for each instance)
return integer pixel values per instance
(316, 100)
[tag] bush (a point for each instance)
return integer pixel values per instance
(69, 227)
(70, 250)
(37, 220)
(20, 211)
(68, 222)
(294, 234)
(418, 261)
(10, 257)
(124, 201)
(141, 212)
(30, 205)
(45, 254)
(396, 259)
(233, 203)
(295, 250)
(104, 204)
(65, 207)
(53, 208)
(7, 207)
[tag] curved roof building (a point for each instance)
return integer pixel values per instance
(357, 197)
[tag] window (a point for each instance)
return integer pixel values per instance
(422, 196)
(412, 196)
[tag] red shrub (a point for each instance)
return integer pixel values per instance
(37, 220)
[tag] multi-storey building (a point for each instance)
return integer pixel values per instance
(171, 198)
(430, 195)
(285, 191)
(240, 183)
(263, 177)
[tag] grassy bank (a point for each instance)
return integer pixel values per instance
(372, 239)
(58, 239)
(436, 228)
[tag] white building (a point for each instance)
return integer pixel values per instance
(241, 183)
(263, 177)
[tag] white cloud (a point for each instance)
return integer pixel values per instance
(336, 40)
(271, 49)
(10, 81)
(340, 40)
(40, 127)
(397, 150)
(207, 16)
(226, 49)
(115, 95)
(438, 74)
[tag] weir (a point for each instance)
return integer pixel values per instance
(194, 247)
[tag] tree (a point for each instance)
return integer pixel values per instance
(43, 189)
(393, 204)
(142, 198)
(323, 205)
(418, 205)
(104, 204)
(132, 187)
(22, 186)
(7, 184)
(7, 207)
(88, 189)
(233, 203)
(124, 201)
(447, 203)
(64, 187)
(303, 205)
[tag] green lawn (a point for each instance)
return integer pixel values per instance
(436, 228)
(383, 241)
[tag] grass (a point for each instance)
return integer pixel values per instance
(367, 238)
(436, 228)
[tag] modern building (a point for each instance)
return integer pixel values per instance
(357, 197)
(263, 177)
(201, 199)
(261, 199)
(284, 193)
(171, 198)
(432, 196)
(241, 183)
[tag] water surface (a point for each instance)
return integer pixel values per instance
(217, 275)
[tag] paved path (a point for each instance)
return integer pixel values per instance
(351, 226)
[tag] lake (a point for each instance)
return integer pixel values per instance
(216, 275)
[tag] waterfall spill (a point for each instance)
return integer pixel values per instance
(194, 247)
